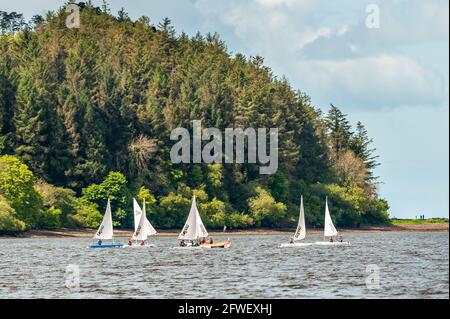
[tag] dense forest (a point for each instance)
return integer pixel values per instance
(86, 114)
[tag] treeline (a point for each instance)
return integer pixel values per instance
(78, 106)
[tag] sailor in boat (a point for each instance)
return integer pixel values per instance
(183, 243)
(341, 239)
(130, 242)
(99, 242)
(142, 242)
(291, 241)
(331, 240)
(211, 241)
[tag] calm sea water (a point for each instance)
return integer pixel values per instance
(404, 265)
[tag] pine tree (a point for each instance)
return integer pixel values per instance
(7, 94)
(339, 130)
(31, 122)
(360, 144)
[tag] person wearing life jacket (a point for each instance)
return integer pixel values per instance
(130, 242)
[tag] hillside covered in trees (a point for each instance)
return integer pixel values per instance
(86, 114)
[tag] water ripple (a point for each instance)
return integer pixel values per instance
(411, 265)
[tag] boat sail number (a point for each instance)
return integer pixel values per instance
(183, 233)
(297, 233)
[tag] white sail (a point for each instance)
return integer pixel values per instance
(300, 233)
(150, 230)
(329, 229)
(194, 228)
(105, 231)
(140, 232)
(137, 213)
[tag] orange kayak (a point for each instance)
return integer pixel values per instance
(223, 244)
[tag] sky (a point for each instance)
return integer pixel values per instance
(394, 78)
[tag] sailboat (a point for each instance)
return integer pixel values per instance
(105, 231)
(330, 231)
(194, 231)
(300, 233)
(142, 227)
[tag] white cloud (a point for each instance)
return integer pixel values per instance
(326, 50)
(372, 82)
(288, 3)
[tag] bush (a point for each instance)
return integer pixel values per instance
(145, 193)
(115, 188)
(213, 213)
(172, 211)
(87, 216)
(237, 220)
(279, 187)
(350, 206)
(51, 218)
(17, 186)
(60, 198)
(264, 210)
(8, 221)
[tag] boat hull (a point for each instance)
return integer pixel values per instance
(225, 244)
(328, 243)
(295, 245)
(106, 246)
(222, 245)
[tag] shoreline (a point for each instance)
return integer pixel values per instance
(88, 233)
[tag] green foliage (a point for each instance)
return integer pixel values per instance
(279, 187)
(215, 181)
(146, 194)
(195, 176)
(264, 210)
(398, 221)
(60, 198)
(51, 218)
(114, 187)
(87, 216)
(214, 213)
(8, 220)
(173, 210)
(77, 105)
(237, 220)
(17, 186)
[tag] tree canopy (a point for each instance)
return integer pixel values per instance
(89, 111)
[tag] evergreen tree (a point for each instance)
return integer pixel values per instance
(339, 130)
(77, 104)
(31, 118)
(360, 144)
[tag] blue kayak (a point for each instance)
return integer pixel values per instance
(97, 246)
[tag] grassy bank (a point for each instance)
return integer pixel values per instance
(398, 221)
